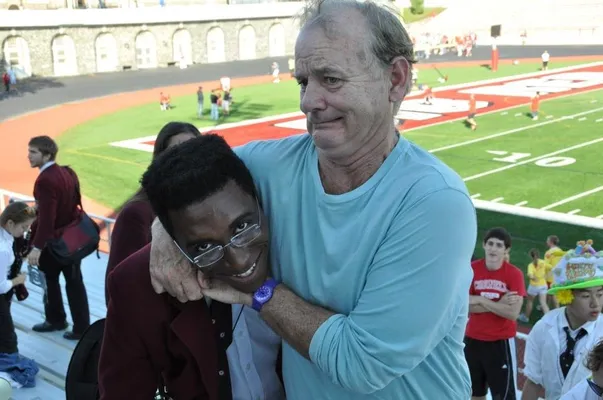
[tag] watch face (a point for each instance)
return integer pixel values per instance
(263, 293)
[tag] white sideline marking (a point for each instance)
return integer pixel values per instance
(599, 216)
(581, 220)
(530, 160)
(582, 119)
(572, 198)
(599, 120)
(573, 212)
(509, 132)
(497, 200)
(475, 196)
(521, 203)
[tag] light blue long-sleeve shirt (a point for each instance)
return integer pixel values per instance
(391, 257)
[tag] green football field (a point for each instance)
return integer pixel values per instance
(551, 164)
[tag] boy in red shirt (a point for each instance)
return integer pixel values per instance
(496, 297)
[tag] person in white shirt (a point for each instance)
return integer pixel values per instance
(558, 344)
(545, 60)
(15, 220)
(592, 387)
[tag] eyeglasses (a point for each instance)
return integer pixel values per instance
(216, 253)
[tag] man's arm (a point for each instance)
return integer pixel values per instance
(125, 370)
(388, 334)
(45, 195)
(508, 311)
(531, 390)
(475, 306)
(532, 360)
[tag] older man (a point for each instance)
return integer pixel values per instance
(371, 235)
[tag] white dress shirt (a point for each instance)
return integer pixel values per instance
(252, 357)
(7, 258)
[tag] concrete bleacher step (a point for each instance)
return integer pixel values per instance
(50, 350)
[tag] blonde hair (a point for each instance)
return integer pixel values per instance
(18, 212)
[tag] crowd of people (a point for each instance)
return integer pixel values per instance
(285, 268)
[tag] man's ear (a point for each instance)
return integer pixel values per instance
(399, 75)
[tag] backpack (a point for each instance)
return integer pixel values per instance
(81, 382)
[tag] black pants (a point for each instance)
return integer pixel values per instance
(76, 293)
(8, 337)
(491, 365)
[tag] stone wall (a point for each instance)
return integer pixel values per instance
(83, 48)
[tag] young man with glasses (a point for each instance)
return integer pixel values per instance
(205, 198)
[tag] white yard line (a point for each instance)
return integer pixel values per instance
(572, 198)
(573, 212)
(512, 131)
(521, 203)
(530, 160)
(475, 196)
(497, 200)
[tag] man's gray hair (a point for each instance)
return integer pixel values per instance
(389, 38)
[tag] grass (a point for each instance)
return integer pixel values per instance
(409, 17)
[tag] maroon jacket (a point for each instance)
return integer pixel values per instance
(131, 232)
(148, 334)
(55, 192)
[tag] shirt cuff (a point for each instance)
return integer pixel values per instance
(324, 335)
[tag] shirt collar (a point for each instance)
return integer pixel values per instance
(45, 166)
(588, 327)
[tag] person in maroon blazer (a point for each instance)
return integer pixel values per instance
(205, 197)
(132, 229)
(55, 192)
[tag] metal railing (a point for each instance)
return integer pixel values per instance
(7, 196)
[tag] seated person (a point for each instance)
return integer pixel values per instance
(205, 198)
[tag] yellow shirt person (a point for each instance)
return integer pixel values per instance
(538, 273)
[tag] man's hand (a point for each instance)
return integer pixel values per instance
(170, 271)
(34, 257)
(510, 298)
(222, 292)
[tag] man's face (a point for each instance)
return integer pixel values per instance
(344, 92)
(495, 251)
(35, 157)
(587, 304)
(213, 222)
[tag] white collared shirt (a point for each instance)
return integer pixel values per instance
(252, 357)
(7, 258)
(46, 165)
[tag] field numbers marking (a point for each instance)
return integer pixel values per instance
(530, 160)
(514, 157)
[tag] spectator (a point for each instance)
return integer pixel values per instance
(57, 195)
(538, 270)
(362, 223)
(205, 196)
(552, 256)
(495, 301)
